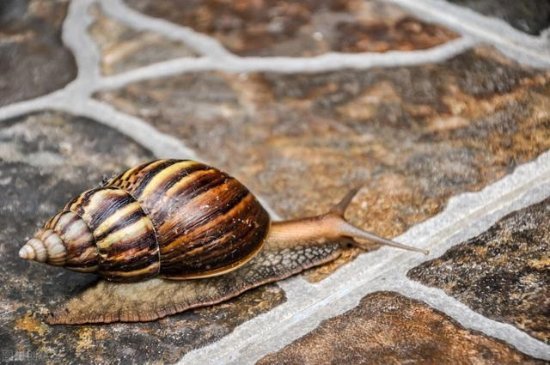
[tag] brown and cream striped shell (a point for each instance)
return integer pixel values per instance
(178, 219)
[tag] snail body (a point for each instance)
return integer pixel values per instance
(176, 219)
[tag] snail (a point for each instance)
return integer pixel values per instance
(180, 226)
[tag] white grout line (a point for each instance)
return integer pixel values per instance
(325, 62)
(522, 47)
(308, 304)
(84, 49)
(203, 44)
(160, 144)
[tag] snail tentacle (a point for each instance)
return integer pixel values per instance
(314, 231)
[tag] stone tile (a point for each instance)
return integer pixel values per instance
(502, 273)
(386, 328)
(46, 159)
(301, 28)
(411, 136)
(33, 59)
(529, 16)
(123, 48)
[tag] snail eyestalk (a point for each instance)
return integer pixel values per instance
(332, 225)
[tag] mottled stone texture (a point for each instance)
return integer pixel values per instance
(46, 159)
(386, 328)
(33, 61)
(504, 273)
(123, 48)
(411, 136)
(300, 28)
(530, 16)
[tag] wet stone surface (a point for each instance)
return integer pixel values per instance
(504, 273)
(300, 28)
(123, 48)
(411, 137)
(386, 328)
(33, 60)
(529, 16)
(46, 159)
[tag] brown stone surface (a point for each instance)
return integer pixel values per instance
(33, 61)
(411, 136)
(123, 48)
(45, 160)
(300, 28)
(504, 273)
(386, 328)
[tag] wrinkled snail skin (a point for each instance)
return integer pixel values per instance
(177, 219)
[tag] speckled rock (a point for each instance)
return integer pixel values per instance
(386, 328)
(530, 16)
(45, 160)
(33, 60)
(411, 136)
(504, 273)
(301, 28)
(123, 48)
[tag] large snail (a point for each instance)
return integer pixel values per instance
(180, 220)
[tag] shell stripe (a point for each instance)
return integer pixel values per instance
(130, 175)
(119, 215)
(178, 220)
(198, 235)
(161, 179)
(148, 175)
(184, 183)
(105, 211)
(224, 246)
(206, 249)
(200, 214)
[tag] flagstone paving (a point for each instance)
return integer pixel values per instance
(301, 101)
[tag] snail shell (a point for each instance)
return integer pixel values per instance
(178, 219)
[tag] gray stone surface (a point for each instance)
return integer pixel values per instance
(530, 16)
(503, 273)
(33, 61)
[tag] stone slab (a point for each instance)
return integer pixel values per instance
(33, 60)
(504, 273)
(386, 328)
(301, 28)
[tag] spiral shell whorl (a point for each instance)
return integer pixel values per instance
(124, 237)
(65, 240)
(176, 218)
